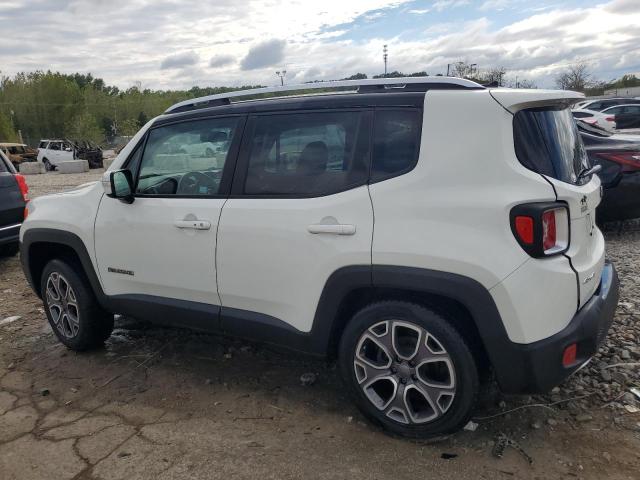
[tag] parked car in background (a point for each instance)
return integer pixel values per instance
(52, 152)
(607, 122)
(625, 116)
(601, 103)
(619, 156)
(13, 199)
(18, 153)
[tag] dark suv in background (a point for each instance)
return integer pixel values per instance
(13, 200)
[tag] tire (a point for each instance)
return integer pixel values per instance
(440, 364)
(9, 250)
(92, 325)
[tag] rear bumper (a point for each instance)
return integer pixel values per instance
(541, 362)
(10, 233)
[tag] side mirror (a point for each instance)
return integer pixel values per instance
(121, 186)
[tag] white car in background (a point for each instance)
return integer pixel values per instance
(52, 152)
(608, 122)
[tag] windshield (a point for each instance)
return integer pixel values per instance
(547, 141)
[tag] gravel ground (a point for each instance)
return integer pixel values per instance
(159, 403)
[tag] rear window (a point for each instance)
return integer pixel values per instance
(547, 141)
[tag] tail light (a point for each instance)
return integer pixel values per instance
(24, 188)
(541, 229)
(610, 119)
(630, 161)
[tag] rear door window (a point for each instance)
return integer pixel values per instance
(307, 154)
(547, 141)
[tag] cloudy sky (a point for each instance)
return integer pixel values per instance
(180, 43)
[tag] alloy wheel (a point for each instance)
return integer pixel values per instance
(405, 372)
(63, 305)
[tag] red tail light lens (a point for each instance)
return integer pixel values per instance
(24, 188)
(524, 229)
(541, 229)
(630, 161)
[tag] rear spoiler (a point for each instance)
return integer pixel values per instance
(518, 99)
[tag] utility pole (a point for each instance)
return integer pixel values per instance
(448, 67)
(474, 68)
(281, 74)
(384, 56)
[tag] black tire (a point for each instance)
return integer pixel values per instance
(47, 165)
(9, 250)
(457, 408)
(93, 325)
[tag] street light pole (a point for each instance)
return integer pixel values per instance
(384, 56)
(281, 74)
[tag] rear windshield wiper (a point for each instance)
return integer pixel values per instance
(587, 172)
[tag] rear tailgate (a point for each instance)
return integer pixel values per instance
(586, 248)
(547, 141)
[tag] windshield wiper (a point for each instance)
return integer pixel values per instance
(587, 172)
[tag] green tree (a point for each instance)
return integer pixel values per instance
(84, 126)
(128, 127)
(7, 133)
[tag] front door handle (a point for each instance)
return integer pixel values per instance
(193, 224)
(334, 229)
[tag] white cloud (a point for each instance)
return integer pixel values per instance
(124, 41)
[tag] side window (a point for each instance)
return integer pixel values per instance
(54, 146)
(186, 158)
(613, 111)
(595, 106)
(632, 109)
(42, 145)
(309, 154)
(396, 142)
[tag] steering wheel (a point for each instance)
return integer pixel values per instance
(193, 183)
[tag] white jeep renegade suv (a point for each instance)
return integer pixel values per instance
(421, 231)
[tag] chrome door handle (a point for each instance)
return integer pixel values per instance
(193, 224)
(334, 229)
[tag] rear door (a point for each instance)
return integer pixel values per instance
(11, 201)
(299, 211)
(547, 140)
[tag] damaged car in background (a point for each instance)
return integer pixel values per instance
(52, 152)
(18, 153)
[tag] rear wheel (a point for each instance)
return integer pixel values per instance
(47, 165)
(72, 309)
(408, 369)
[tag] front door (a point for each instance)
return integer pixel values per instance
(299, 211)
(164, 243)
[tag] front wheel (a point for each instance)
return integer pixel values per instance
(71, 307)
(408, 369)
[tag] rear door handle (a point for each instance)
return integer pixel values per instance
(334, 229)
(193, 224)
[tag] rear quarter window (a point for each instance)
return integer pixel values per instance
(547, 141)
(396, 142)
